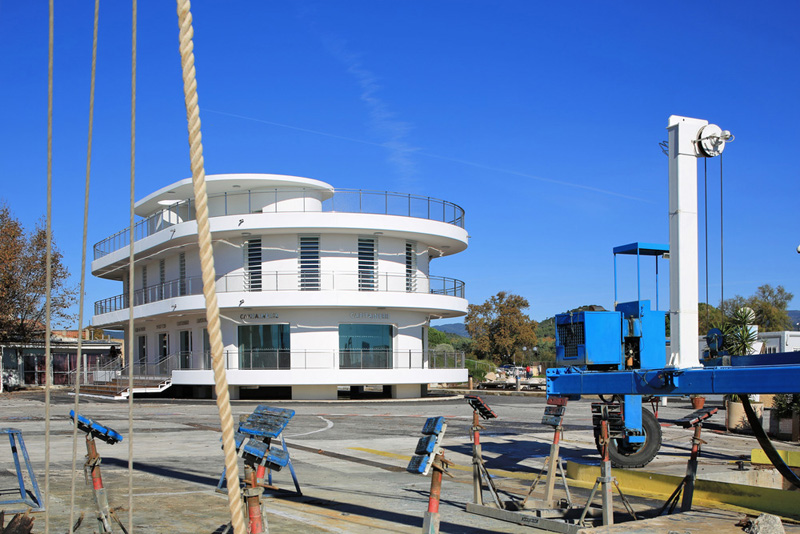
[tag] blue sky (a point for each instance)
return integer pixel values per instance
(542, 120)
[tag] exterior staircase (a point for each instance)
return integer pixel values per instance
(111, 381)
(117, 388)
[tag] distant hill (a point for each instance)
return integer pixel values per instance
(794, 315)
(452, 328)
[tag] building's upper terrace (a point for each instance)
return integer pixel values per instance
(239, 194)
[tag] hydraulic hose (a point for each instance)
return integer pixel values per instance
(767, 445)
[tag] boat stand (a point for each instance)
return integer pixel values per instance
(33, 500)
(546, 513)
(91, 468)
(605, 479)
(429, 456)
(687, 484)
(479, 472)
(266, 424)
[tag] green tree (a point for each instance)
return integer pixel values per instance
(23, 287)
(708, 317)
(769, 304)
(499, 328)
(436, 337)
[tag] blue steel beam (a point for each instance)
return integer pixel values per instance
(571, 381)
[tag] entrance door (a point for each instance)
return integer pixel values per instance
(141, 355)
(163, 352)
(185, 356)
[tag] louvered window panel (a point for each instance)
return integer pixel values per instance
(411, 266)
(144, 283)
(162, 278)
(252, 265)
(182, 273)
(309, 263)
(367, 264)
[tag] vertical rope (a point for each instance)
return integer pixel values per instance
(207, 263)
(131, 253)
(48, 359)
(705, 213)
(721, 241)
(83, 269)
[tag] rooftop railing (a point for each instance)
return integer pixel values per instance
(343, 201)
(288, 281)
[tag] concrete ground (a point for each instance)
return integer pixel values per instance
(350, 458)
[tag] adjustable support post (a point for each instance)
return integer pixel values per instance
(430, 524)
(553, 416)
(92, 468)
(687, 484)
(691, 470)
(257, 523)
(477, 493)
(605, 480)
(552, 466)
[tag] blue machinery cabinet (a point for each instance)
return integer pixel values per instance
(605, 340)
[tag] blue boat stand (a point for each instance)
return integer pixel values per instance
(34, 499)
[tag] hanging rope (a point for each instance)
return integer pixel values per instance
(721, 240)
(83, 270)
(131, 255)
(48, 276)
(207, 263)
(705, 213)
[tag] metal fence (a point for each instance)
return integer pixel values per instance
(342, 200)
(285, 281)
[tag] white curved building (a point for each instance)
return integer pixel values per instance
(317, 287)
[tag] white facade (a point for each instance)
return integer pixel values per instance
(317, 288)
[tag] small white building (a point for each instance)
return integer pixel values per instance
(317, 287)
(786, 341)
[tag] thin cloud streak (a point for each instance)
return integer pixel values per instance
(430, 155)
(382, 119)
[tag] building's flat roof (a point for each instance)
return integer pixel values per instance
(220, 183)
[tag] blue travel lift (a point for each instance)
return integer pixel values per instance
(633, 336)
(623, 353)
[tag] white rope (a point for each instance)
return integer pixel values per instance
(83, 272)
(207, 263)
(129, 351)
(48, 276)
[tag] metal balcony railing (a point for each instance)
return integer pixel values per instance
(288, 359)
(286, 281)
(343, 201)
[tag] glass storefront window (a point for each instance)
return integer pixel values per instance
(264, 346)
(365, 346)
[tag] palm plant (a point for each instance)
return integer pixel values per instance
(739, 333)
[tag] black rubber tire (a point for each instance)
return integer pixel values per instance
(638, 455)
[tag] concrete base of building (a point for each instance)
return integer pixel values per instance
(322, 392)
(408, 391)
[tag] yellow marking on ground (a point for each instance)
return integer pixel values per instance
(709, 493)
(737, 497)
(792, 458)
